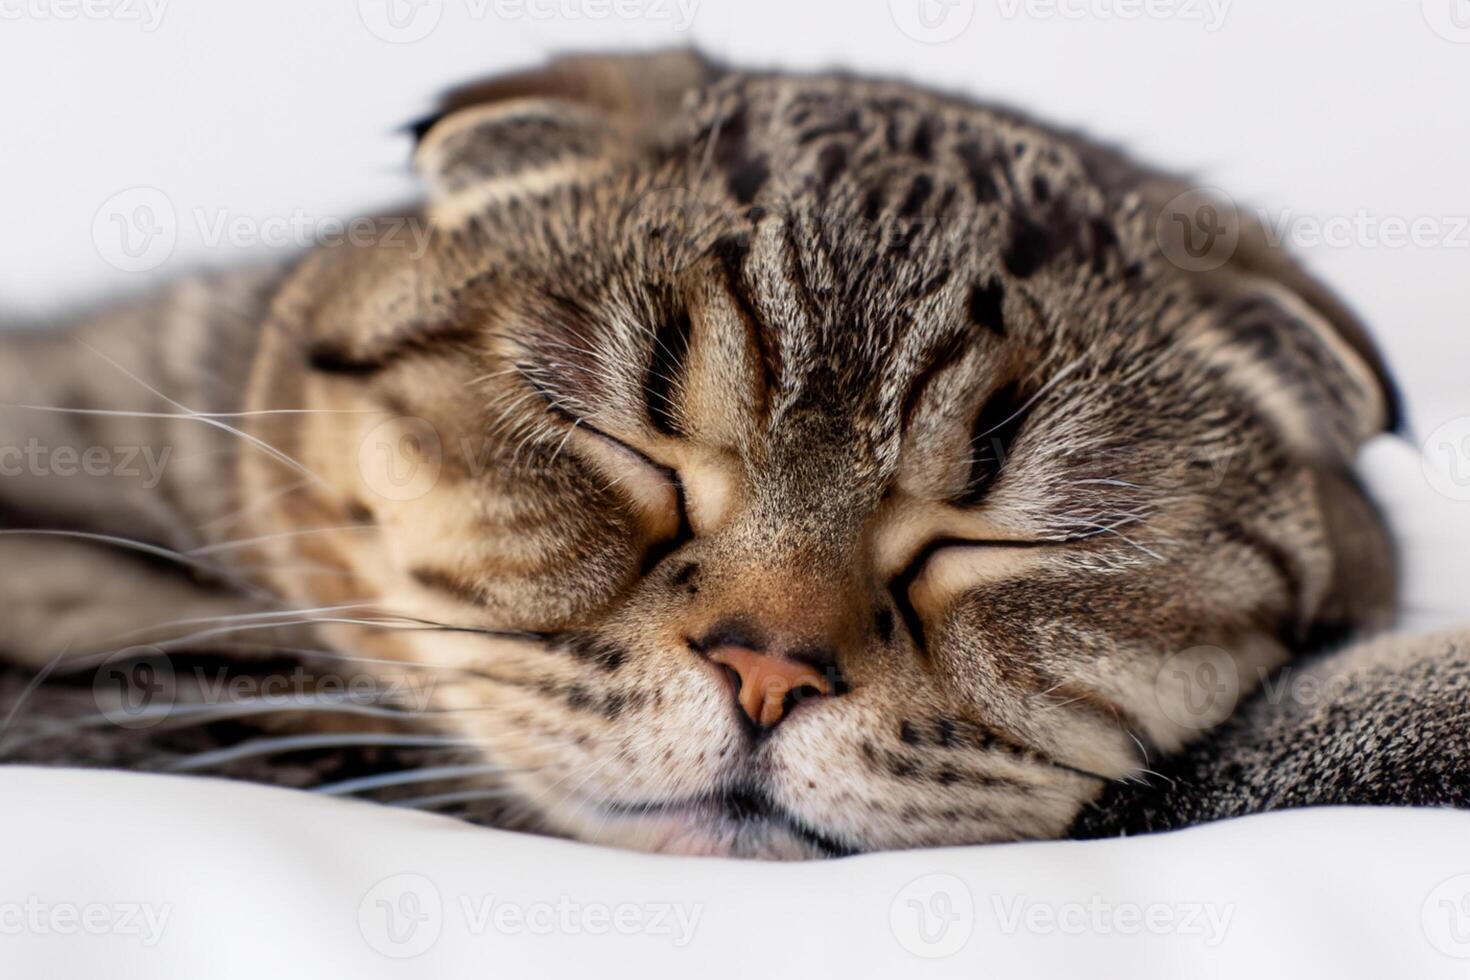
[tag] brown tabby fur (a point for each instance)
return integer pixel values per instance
(896, 383)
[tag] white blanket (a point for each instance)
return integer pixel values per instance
(121, 875)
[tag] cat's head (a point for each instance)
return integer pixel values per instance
(861, 463)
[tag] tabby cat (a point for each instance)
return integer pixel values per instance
(749, 464)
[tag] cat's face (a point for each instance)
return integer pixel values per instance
(855, 457)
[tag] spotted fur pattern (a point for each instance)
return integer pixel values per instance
(898, 385)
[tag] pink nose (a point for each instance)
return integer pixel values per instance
(765, 681)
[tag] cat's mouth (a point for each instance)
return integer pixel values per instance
(741, 822)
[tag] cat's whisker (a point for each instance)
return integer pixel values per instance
(259, 443)
(612, 365)
(147, 548)
(30, 688)
(616, 792)
(565, 439)
(509, 408)
(491, 376)
(190, 413)
(1109, 482)
(590, 768)
(343, 657)
(301, 743)
(1142, 748)
(1138, 780)
(386, 624)
(532, 437)
(265, 500)
(1057, 705)
(185, 642)
(279, 535)
(80, 664)
(612, 484)
(1100, 529)
(447, 799)
(265, 618)
(367, 784)
(1055, 380)
(187, 414)
(167, 717)
(265, 614)
(406, 622)
(308, 569)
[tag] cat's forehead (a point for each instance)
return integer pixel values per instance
(829, 135)
(862, 230)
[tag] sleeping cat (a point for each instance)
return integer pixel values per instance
(750, 464)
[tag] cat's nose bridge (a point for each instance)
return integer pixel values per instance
(798, 603)
(787, 607)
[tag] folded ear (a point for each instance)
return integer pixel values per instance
(1277, 331)
(1313, 373)
(515, 134)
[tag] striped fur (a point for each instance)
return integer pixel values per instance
(902, 382)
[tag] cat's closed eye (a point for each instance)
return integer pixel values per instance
(655, 490)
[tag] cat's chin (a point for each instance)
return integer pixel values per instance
(725, 825)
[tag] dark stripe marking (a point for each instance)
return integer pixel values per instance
(419, 339)
(996, 426)
(1030, 247)
(987, 306)
(977, 166)
(449, 582)
(731, 250)
(665, 372)
(943, 356)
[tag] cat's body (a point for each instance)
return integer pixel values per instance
(754, 464)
